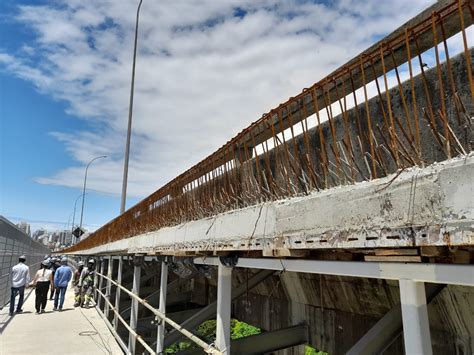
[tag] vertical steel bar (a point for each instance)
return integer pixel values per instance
(413, 98)
(441, 86)
(467, 52)
(369, 123)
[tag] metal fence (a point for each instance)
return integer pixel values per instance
(106, 308)
(13, 244)
(385, 110)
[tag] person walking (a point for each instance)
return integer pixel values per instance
(43, 280)
(19, 277)
(87, 283)
(75, 283)
(54, 265)
(62, 277)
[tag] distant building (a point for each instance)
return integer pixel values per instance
(38, 233)
(25, 227)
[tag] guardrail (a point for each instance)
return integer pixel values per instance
(208, 348)
(359, 123)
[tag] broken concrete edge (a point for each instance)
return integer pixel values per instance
(428, 206)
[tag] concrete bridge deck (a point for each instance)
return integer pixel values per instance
(72, 331)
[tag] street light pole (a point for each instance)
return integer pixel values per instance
(130, 110)
(74, 213)
(84, 188)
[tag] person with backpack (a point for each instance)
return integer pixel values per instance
(75, 283)
(87, 284)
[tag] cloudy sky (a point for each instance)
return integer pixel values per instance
(205, 70)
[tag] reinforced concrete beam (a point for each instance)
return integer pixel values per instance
(453, 274)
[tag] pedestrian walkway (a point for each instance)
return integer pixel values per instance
(71, 331)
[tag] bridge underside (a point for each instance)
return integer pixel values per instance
(420, 210)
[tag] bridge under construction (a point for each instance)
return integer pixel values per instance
(342, 219)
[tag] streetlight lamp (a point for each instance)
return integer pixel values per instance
(84, 188)
(130, 110)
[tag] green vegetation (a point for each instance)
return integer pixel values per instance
(207, 330)
(308, 350)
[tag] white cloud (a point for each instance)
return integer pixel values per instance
(203, 73)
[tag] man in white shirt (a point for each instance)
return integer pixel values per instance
(20, 276)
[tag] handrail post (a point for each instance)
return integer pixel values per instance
(117, 291)
(137, 260)
(224, 302)
(99, 281)
(163, 290)
(110, 266)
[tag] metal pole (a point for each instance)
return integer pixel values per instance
(416, 326)
(163, 290)
(130, 111)
(84, 188)
(134, 311)
(224, 301)
(99, 281)
(108, 286)
(74, 213)
(117, 292)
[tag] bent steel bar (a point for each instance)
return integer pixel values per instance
(316, 140)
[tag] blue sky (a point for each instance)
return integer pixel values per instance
(205, 70)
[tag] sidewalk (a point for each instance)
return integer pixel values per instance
(72, 331)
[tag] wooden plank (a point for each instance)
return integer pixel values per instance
(398, 251)
(395, 258)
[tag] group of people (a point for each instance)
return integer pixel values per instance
(54, 274)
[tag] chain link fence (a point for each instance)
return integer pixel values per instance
(13, 244)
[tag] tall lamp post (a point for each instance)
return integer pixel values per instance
(84, 188)
(74, 213)
(130, 110)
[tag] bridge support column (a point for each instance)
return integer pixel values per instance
(416, 326)
(108, 286)
(134, 310)
(117, 291)
(163, 289)
(224, 302)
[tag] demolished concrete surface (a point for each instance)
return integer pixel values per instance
(431, 206)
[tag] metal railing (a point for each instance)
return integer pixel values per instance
(359, 123)
(208, 348)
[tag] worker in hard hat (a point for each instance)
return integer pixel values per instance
(61, 279)
(75, 283)
(87, 284)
